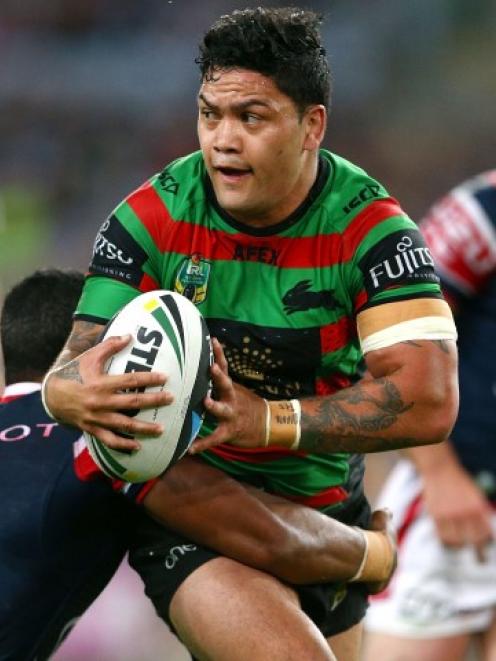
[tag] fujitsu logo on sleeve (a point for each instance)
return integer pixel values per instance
(400, 258)
(117, 254)
(108, 250)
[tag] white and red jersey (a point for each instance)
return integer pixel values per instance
(460, 230)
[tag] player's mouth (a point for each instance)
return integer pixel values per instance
(233, 175)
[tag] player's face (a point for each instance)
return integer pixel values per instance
(259, 152)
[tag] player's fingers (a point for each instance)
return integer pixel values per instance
(119, 422)
(481, 552)
(450, 534)
(112, 440)
(138, 400)
(219, 409)
(134, 380)
(219, 355)
(223, 385)
(112, 345)
(201, 444)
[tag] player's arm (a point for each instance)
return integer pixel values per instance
(77, 391)
(409, 398)
(460, 510)
(295, 543)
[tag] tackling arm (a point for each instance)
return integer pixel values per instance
(460, 510)
(292, 542)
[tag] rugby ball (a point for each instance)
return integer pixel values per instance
(169, 335)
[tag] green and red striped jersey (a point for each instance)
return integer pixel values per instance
(282, 299)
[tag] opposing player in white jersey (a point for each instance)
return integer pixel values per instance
(443, 497)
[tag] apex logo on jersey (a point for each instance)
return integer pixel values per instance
(299, 298)
(400, 258)
(192, 278)
(262, 254)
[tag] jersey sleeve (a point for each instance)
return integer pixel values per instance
(87, 470)
(393, 281)
(462, 239)
(126, 256)
(389, 259)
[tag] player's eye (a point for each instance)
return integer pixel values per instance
(250, 118)
(207, 113)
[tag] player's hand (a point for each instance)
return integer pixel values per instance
(381, 523)
(81, 394)
(240, 414)
(460, 510)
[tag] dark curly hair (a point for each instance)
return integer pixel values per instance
(36, 320)
(283, 44)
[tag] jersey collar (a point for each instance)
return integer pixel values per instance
(15, 390)
(320, 181)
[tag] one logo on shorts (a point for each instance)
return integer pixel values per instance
(338, 597)
(176, 553)
(192, 278)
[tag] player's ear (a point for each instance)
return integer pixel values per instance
(315, 120)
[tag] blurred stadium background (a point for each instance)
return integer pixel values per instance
(96, 95)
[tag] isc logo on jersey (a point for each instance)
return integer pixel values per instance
(169, 335)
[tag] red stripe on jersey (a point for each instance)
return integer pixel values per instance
(366, 220)
(253, 455)
(85, 468)
(146, 488)
(148, 283)
(151, 210)
(331, 384)
(360, 300)
(186, 238)
(325, 498)
(10, 398)
(336, 335)
(411, 514)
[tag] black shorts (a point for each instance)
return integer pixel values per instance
(164, 560)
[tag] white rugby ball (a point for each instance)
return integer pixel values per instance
(169, 335)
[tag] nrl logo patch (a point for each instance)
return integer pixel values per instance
(192, 278)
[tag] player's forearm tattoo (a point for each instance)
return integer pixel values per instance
(70, 372)
(441, 344)
(84, 336)
(334, 426)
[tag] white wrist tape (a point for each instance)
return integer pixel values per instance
(43, 395)
(267, 423)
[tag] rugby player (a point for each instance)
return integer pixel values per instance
(308, 273)
(444, 593)
(63, 534)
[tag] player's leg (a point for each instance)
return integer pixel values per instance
(391, 648)
(225, 610)
(438, 597)
(346, 646)
(488, 641)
